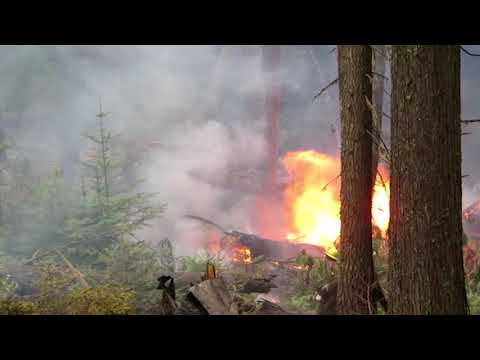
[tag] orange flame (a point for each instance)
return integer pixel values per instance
(241, 254)
(312, 199)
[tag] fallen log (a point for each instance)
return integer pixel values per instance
(268, 248)
(274, 249)
(261, 286)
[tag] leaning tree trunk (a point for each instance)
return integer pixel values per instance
(379, 60)
(356, 274)
(426, 273)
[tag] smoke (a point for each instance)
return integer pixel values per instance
(204, 107)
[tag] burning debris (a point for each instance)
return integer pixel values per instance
(248, 247)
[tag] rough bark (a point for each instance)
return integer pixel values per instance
(356, 274)
(426, 273)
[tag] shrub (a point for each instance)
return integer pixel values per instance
(103, 300)
(12, 306)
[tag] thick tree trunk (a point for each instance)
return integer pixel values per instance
(356, 274)
(379, 60)
(426, 273)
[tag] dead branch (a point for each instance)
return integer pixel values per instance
(49, 252)
(381, 179)
(80, 276)
(326, 88)
(470, 121)
(331, 181)
(380, 75)
(468, 52)
(205, 221)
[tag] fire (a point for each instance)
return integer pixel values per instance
(242, 254)
(312, 198)
(247, 255)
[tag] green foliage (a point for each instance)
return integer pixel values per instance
(7, 286)
(305, 260)
(302, 301)
(103, 300)
(474, 302)
(54, 284)
(131, 265)
(322, 274)
(11, 306)
(198, 263)
(35, 215)
(109, 211)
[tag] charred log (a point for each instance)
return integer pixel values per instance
(274, 249)
(261, 286)
(270, 249)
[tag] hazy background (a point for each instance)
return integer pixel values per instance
(202, 107)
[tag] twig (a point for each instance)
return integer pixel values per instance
(466, 133)
(381, 179)
(33, 258)
(331, 181)
(325, 88)
(470, 121)
(380, 75)
(468, 52)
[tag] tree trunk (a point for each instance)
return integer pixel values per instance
(356, 274)
(379, 60)
(267, 220)
(426, 275)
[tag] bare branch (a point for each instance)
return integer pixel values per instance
(380, 75)
(331, 181)
(325, 88)
(468, 52)
(77, 273)
(470, 121)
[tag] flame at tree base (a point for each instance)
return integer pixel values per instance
(312, 199)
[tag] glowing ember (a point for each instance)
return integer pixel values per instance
(312, 199)
(247, 255)
(241, 254)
